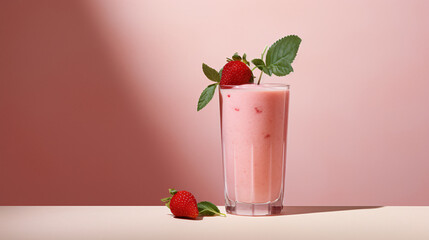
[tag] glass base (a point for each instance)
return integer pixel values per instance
(254, 209)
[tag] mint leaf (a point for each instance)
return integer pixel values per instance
(281, 54)
(206, 96)
(259, 63)
(208, 209)
(220, 73)
(281, 69)
(211, 73)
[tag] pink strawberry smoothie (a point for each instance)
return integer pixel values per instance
(254, 129)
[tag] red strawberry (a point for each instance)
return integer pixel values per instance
(236, 73)
(183, 204)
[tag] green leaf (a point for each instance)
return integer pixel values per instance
(172, 191)
(236, 57)
(281, 69)
(245, 60)
(167, 199)
(281, 54)
(220, 72)
(211, 73)
(206, 96)
(259, 63)
(208, 209)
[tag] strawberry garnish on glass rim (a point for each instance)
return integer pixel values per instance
(278, 61)
(236, 73)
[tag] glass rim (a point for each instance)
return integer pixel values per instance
(280, 86)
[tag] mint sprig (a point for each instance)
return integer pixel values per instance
(279, 57)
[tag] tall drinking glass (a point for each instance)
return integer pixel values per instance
(254, 128)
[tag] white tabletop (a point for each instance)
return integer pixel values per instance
(156, 222)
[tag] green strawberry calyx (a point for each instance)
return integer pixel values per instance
(168, 199)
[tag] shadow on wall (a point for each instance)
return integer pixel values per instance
(69, 132)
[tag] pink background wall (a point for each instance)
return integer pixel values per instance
(98, 99)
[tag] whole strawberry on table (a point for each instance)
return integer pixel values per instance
(184, 205)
